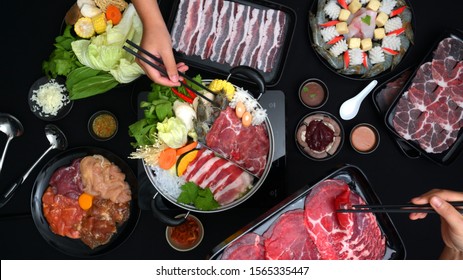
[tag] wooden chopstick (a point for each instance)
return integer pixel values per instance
(400, 208)
(163, 71)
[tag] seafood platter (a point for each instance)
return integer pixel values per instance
(84, 202)
(208, 34)
(427, 113)
(292, 229)
(361, 39)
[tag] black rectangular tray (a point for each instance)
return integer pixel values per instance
(357, 181)
(450, 154)
(270, 78)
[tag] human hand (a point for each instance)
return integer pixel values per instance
(451, 219)
(159, 44)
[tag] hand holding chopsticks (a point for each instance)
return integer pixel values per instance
(400, 208)
(161, 69)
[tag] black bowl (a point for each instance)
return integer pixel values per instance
(75, 247)
(36, 109)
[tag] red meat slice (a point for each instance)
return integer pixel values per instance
(359, 239)
(449, 47)
(447, 74)
(288, 239)
(248, 247)
(246, 146)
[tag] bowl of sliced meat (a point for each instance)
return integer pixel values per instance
(225, 157)
(428, 112)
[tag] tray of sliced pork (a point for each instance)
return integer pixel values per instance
(293, 229)
(428, 112)
(217, 35)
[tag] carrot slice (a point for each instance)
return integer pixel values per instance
(85, 201)
(113, 14)
(187, 148)
(167, 158)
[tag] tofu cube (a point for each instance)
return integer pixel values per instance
(374, 5)
(354, 43)
(379, 33)
(381, 19)
(344, 15)
(342, 28)
(366, 44)
(354, 6)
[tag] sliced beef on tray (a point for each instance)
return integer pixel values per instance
(341, 235)
(288, 239)
(230, 33)
(246, 146)
(431, 110)
(226, 181)
(248, 247)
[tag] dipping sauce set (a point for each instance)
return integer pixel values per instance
(319, 135)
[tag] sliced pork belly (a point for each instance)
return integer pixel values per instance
(191, 27)
(241, 25)
(224, 27)
(211, 9)
(226, 181)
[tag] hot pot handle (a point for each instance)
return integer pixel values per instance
(251, 74)
(162, 217)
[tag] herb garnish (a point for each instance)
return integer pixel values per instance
(202, 199)
(366, 19)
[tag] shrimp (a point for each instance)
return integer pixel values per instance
(316, 35)
(335, 62)
(379, 67)
(404, 44)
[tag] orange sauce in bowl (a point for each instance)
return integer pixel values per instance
(364, 138)
(104, 126)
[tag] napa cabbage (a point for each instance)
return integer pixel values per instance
(105, 52)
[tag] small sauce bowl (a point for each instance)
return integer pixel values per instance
(187, 236)
(103, 125)
(364, 138)
(313, 93)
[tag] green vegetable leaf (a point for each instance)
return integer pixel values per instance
(189, 193)
(366, 19)
(85, 82)
(202, 199)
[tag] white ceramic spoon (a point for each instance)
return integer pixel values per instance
(350, 107)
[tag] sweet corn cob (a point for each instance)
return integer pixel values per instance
(226, 87)
(84, 27)
(99, 23)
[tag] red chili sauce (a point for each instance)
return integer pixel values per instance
(318, 135)
(187, 233)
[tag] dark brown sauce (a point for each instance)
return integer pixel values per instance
(318, 135)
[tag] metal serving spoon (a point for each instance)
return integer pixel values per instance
(57, 140)
(350, 107)
(12, 127)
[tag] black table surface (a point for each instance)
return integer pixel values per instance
(28, 40)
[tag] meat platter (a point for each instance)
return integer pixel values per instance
(292, 207)
(206, 35)
(70, 243)
(428, 112)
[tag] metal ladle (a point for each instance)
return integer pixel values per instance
(57, 140)
(12, 127)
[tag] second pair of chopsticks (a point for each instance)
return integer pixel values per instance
(162, 70)
(401, 208)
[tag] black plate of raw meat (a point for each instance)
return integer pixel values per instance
(204, 49)
(428, 112)
(357, 182)
(75, 247)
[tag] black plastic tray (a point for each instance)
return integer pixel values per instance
(446, 157)
(357, 181)
(271, 78)
(382, 104)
